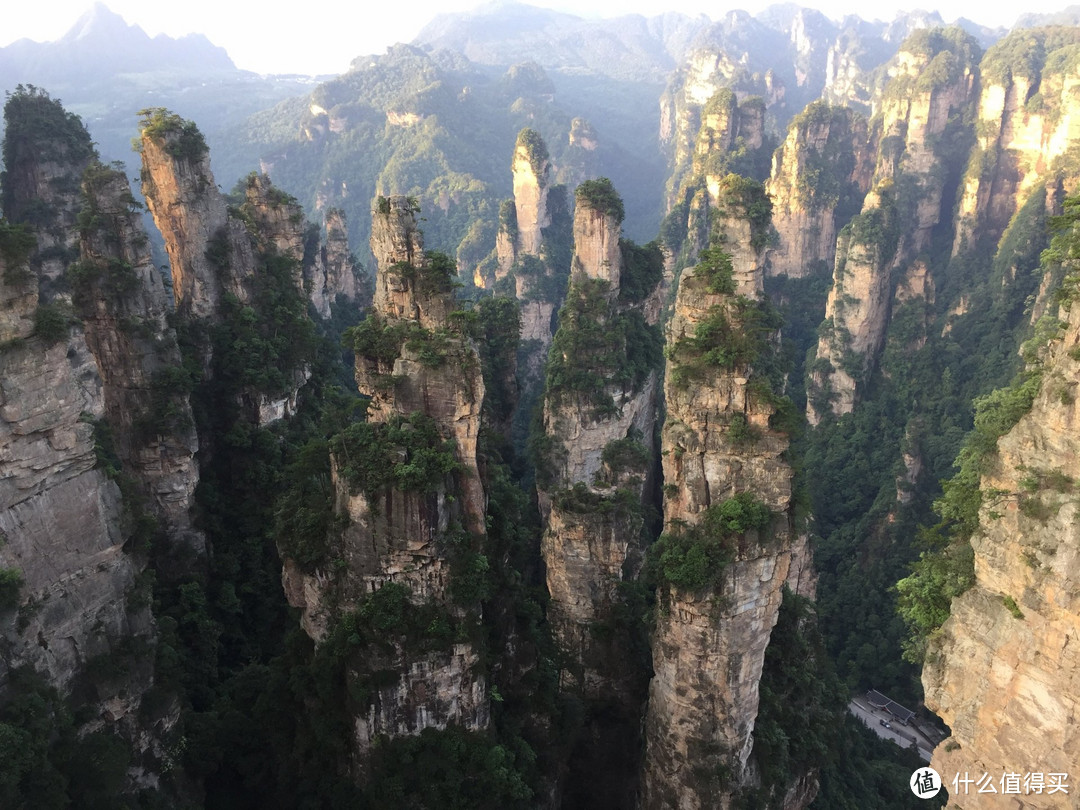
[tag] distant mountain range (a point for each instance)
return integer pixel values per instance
(638, 47)
(105, 70)
(102, 44)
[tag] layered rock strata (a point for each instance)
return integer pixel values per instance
(712, 630)
(924, 109)
(595, 484)
(820, 172)
(1002, 673)
(400, 532)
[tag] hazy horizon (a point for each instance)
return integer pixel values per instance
(326, 39)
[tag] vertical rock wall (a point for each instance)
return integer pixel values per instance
(924, 111)
(1002, 673)
(123, 303)
(819, 172)
(396, 534)
(595, 486)
(710, 639)
(1027, 121)
(62, 528)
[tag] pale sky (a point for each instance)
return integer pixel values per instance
(316, 36)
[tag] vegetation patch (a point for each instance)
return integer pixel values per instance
(625, 455)
(600, 195)
(642, 270)
(1012, 607)
(11, 582)
(693, 558)
(730, 337)
(181, 139)
(17, 242)
(381, 341)
(596, 349)
(946, 568)
(742, 197)
(535, 149)
(406, 453)
(52, 322)
(434, 277)
(262, 345)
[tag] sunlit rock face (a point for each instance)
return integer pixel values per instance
(820, 173)
(709, 642)
(1028, 122)
(403, 536)
(1003, 671)
(925, 107)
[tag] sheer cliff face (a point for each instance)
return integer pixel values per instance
(333, 271)
(396, 242)
(399, 533)
(1004, 676)
(701, 101)
(710, 637)
(531, 172)
(523, 244)
(597, 480)
(824, 163)
(122, 301)
(1028, 117)
(216, 258)
(46, 153)
(18, 289)
(189, 211)
(587, 549)
(60, 515)
(211, 252)
(596, 245)
(923, 109)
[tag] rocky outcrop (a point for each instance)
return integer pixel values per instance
(221, 258)
(60, 517)
(46, 151)
(1027, 121)
(531, 169)
(209, 254)
(397, 245)
(18, 283)
(597, 229)
(599, 412)
(1003, 670)
(706, 89)
(336, 272)
(408, 493)
(819, 174)
(529, 247)
(923, 112)
(721, 579)
(66, 569)
(122, 301)
(856, 312)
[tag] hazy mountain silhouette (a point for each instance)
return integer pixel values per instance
(101, 44)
